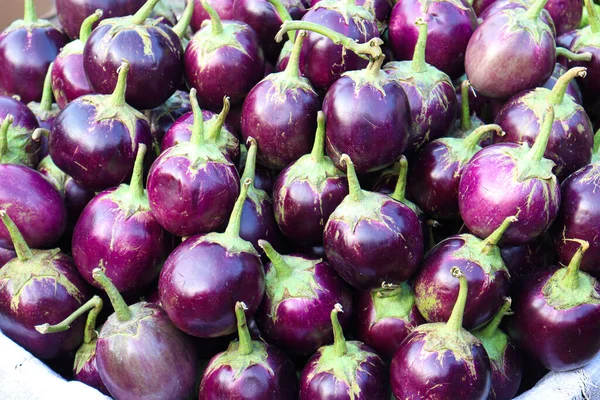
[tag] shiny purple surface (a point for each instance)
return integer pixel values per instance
(507, 373)
(258, 222)
(521, 260)
(68, 79)
(566, 14)
(164, 116)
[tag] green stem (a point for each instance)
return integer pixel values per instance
(121, 308)
(215, 20)
(371, 49)
(592, 16)
(197, 137)
(86, 27)
(318, 150)
(282, 268)
(245, 346)
(400, 190)
(292, 70)
(595, 155)
(93, 304)
(494, 238)
(8, 120)
(183, 24)
(560, 87)
(89, 332)
(233, 228)
(387, 291)
(492, 326)
(215, 132)
(456, 318)
(465, 116)
(356, 193)
(534, 11)
(536, 153)
(23, 251)
(284, 14)
(418, 61)
(30, 15)
(137, 178)
(339, 341)
(117, 98)
(571, 278)
(351, 2)
(474, 138)
(144, 12)
(250, 166)
(568, 54)
(47, 97)
(374, 67)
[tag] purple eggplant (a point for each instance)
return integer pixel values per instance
(511, 51)
(572, 88)
(435, 176)
(249, 368)
(118, 232)
(27, 47)
(522, 259)
(430, 93)
(22, 146)
(566, 15)
(46, 110)
(371, 238)
(564, 301)
(524, 5)
(200, 299)
(384, 317)
(280, 112)
(442, 359)
(192, 186)
(307, 191)
(505, 359)
(96, 137)
(300, 292)
(39, 286)
(164, 116)
(451, 24)
(380, 9)
(509, 179)
(345, 370)
(152, 48)
(223, 8)
(483, 267)
(223, 59)
(572, 137)
(586, 41)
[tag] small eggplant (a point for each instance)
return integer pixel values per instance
(442, 359)
(566, 15)
(200, 299)
(164, 116)
(520, 260)
(22, 147)
(586, 41)
(345, 370)
(249, 368)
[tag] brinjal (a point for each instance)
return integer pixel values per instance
(22, 147)
(192, 186)
(430, 93)
(39, 286)
(345, 370)
(224, 8)
(96, 137)
(300, 292)
(200, 298)
(586, 41)
(164, 116)
(27, 47)
(371, 238)
(152, 48)
(566, 303)
(507, 179)
(566, 15)
(501, 5)
(522, 259)
(380, 9)
(223, 59)
(280, 113)
(572, 137)
(442, 360)
(249, 368)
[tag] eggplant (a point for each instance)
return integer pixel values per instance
(371, 238)
(507, 179)
(521, 260)
(200, 299)
(586, 41)
(442, 359)
(249, 368)
(188, 203)
(565, 301)
(39, 286)
(27, 47)
(566, 15)
(300, 292)
(224, 8)
(344, 370)
(162, 118)
(152, 48)
(22, 147)
(524, 5)
(380, 9)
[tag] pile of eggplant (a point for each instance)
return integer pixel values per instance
(285, 199)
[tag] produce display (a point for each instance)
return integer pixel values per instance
(294, 199)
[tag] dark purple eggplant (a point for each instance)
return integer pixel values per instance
(96, 137)
(223, 59)
(300, 292)
(566, 303)
(152, 48)
(371, 238)
(249, 368)
(520, 260)
(442, 359)
(187, 203)
(572, 88)
(507, 179)
(586, 41)
(22, 147)
(307, 191)
(280, 112)
(224, 8)
(384, 317)
(345, 370)
(36, 287)
(451, 24)
(505, 359)
(164, 116)
(200, 299)
(430, 93)
(27, 47)
(483, 267)
(118, 232)
(572, 137)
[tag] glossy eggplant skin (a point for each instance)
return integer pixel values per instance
(521, 260)
(585, 41)
(22, 149)
(258, 221)
(566, 14)
(85, 368)
(164, 116)
(507, 373)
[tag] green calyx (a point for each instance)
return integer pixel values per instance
(396, 302)
(8, 120)
(17, 147)
(461, 150)
(239, 362)
(122, 310)
(484, 253)
(204, 42)
(371, 76)
(183, 24)
(114, 326)
(132, 198)
(530, 162)
(55, 175)
(144, 12)
(528, 20)
(24, 253)
(349, 12)
(84, 354)
(30, 19)
(418, 62)
(493, 339)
